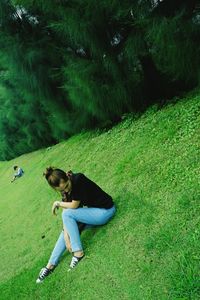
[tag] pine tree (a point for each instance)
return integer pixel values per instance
(66, 66)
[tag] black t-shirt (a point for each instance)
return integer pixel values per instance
(88, 192)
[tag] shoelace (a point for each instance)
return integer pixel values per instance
(44, 272)
(74, 262)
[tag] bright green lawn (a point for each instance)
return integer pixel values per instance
(150, 250)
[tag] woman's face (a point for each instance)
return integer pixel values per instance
(65, 186)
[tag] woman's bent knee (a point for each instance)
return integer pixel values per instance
(67, 212)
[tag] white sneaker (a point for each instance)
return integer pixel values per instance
(43, 274)
(75, 260)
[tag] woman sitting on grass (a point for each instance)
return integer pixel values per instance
(18, 173)
(77, 191)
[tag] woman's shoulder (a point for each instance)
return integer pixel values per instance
(78, 176)
(78, 179)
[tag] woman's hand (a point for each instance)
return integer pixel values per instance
(55, 206)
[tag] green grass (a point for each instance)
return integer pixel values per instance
(150, 250)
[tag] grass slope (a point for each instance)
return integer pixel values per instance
(150, 250)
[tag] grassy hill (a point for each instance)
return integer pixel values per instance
(150, 250)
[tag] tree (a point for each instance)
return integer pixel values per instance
(66, 66)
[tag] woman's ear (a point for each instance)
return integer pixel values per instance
(69, 173)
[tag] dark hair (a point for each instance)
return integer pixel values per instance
(53, 176)
(15, 167)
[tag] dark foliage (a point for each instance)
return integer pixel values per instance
(66, 66)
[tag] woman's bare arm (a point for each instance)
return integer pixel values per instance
(57, 204)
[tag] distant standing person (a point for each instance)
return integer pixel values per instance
(18, 173)
(83, 202)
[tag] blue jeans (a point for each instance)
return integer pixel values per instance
(90, 216)
(58, 250)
